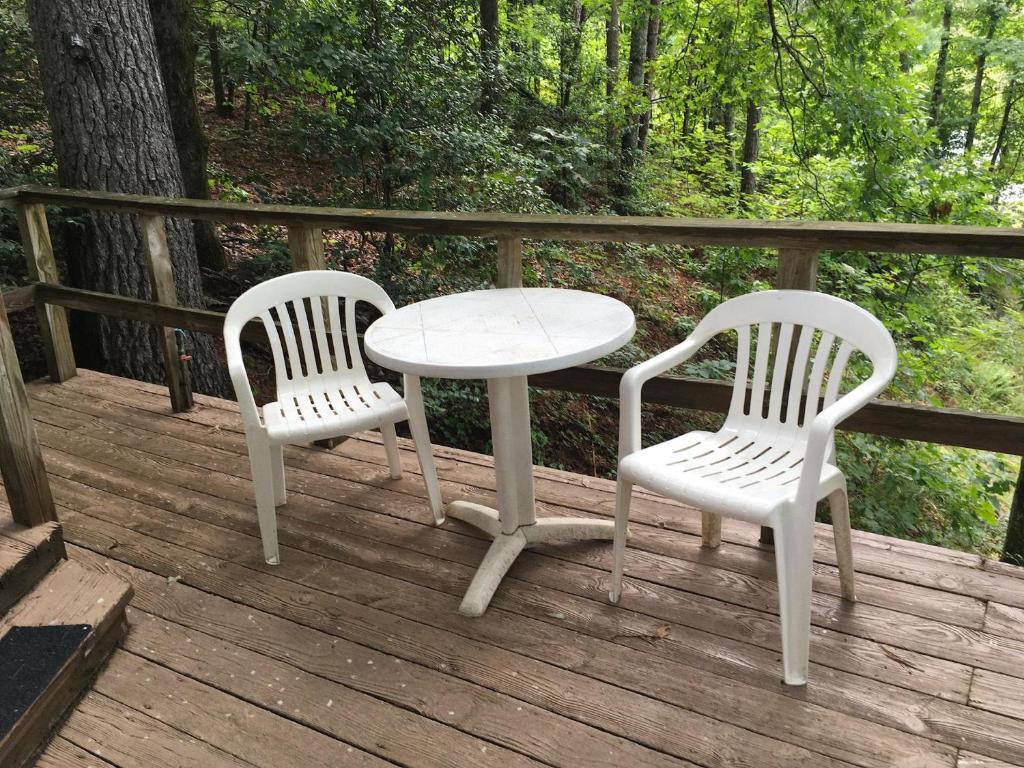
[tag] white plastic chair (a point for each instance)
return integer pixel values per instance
(772, 461)
(322, 387)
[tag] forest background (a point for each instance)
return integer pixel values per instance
(893, 110)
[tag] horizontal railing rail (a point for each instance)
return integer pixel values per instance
(798, 243)
(885, 418)
(953, 240)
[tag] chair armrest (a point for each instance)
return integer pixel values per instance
(632, 383)
(240, 382)
(824, 426)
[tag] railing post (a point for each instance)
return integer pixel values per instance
(510, 263)
(306, 245)
(42, 267)
(1013, 546)
(797, 270)
(161, 280)
(21, 460)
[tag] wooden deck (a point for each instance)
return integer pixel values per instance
(352, 652)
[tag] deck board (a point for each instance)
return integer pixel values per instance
(922, 671)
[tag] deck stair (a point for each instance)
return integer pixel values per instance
(59, 621)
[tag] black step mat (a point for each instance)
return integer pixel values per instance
(30, 657)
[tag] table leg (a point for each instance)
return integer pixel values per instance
(509, 402)
(514, 524)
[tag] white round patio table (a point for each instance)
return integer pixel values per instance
(503, 336)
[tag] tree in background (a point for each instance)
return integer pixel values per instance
(176, 44)
(112, 132)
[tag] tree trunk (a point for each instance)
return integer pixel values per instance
(1008, 101)
(934, 116)
(611, 62)
(728, 130)
(751, 150)
(1013, 547)
(569, 48)
(651, 55)
(979, 77)
(112, 132)
(176, 48)
(224, 106)
(637, 54)
(489, 56)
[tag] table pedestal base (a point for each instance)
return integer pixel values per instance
(507, 546)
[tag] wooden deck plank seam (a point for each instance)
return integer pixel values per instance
(768, 610)
(973, 622)
(976, 568)
(229, 407)
(234, 531)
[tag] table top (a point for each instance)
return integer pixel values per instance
(499, 333)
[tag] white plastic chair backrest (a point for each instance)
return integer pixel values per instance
(327, 345)
(826, 331)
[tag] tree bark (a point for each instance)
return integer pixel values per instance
(1013, 547)
(651, 55)
(611, 62)
(939, 83)
(979, 76)
(728, 130)
(751, 150)
(569, 49)
(1009, 99)
(173, 27)
(489, 56)
(635, 74)
(112, 132)
(223, 105)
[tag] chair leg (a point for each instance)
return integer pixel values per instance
(623, 497)
(262, 465)
(277, 467)
(710, 530)
(839, 506)
(794, 553)
(387, 431)
(424, 452)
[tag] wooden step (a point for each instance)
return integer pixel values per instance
(26, 556)
(71, 594)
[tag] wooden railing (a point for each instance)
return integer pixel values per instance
(798, 244)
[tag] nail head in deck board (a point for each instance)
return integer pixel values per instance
(21, 463)
(194, 702)
(881, 552)
(132, 739)
(911, 599)
(664, 683)
(638, 716)
(711, 694)
(222, 415)
(190, 453)
(300, 645)
(488, 714)
(42, 268)
(61, 753)
(869, 623)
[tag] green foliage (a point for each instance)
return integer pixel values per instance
(382, 102)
